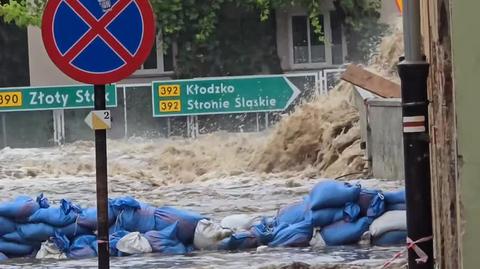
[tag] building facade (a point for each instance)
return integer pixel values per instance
(300, 52)
(298, 47)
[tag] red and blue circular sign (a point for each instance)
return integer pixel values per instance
(95, 46)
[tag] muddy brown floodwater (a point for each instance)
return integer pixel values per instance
(217, 175)
(30, 171)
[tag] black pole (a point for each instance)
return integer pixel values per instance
(417, 158)
(102, 184)
(4, 130)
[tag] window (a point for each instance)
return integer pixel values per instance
(158, 61)
(337, 38)
(308, 47)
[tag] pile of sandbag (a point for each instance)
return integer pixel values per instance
(25, 223)
(34, 228)
(333, 213)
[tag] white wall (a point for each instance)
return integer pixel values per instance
(42, 70)
(389, 12)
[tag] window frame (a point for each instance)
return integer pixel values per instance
(160, 70)
(328, 44)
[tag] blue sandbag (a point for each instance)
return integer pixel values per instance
(187, 222)
(122, 203)
(239, 241)
(295, 235)
(333, 194)
(88, 217)
(377, 207)
(165, 241)
(42, 201)
(34, 232)
(15, 237)
(395, 197)
(327, 216)
(61, 241)
(351, 212)
(391, 238)
(132, 215)
(344, 233)
(263, 231)
(6, 226)
(392, 207)
(3, 257)
(19, 209)
(82, 247)
(134, 219)
(73, 230)
(371, 202)
(293, 213)
(15, 249)
(64, 215)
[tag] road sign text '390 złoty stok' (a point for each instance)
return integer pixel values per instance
(50, 98)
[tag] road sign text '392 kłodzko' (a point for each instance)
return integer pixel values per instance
(222, 96)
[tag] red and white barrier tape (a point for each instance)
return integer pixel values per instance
(422, 256)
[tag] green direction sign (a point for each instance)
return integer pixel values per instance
(50, 98)
(222, 95)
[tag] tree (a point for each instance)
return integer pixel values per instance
(22, 12)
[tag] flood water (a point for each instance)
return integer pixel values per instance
(33, 171)
(344, 257)
(217, 175)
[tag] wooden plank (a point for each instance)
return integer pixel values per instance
(371, 82)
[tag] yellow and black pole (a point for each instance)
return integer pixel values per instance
(413, 70)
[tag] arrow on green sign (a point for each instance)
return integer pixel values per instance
(50, 98)
(222, 96)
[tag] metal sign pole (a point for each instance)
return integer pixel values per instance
(127, 30)
(413, 71)
(4, 130)
(102, 184)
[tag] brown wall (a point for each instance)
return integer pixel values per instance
(446, 210)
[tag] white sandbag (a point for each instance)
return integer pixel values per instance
(390, 221)
(208, 235)
(317, 239)
(134, 243)
(49, 250)
(239, 222)
(366, 239)
(263, 249)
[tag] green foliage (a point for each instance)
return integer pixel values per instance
(22, 12)
(200, 17)
(240, 45)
